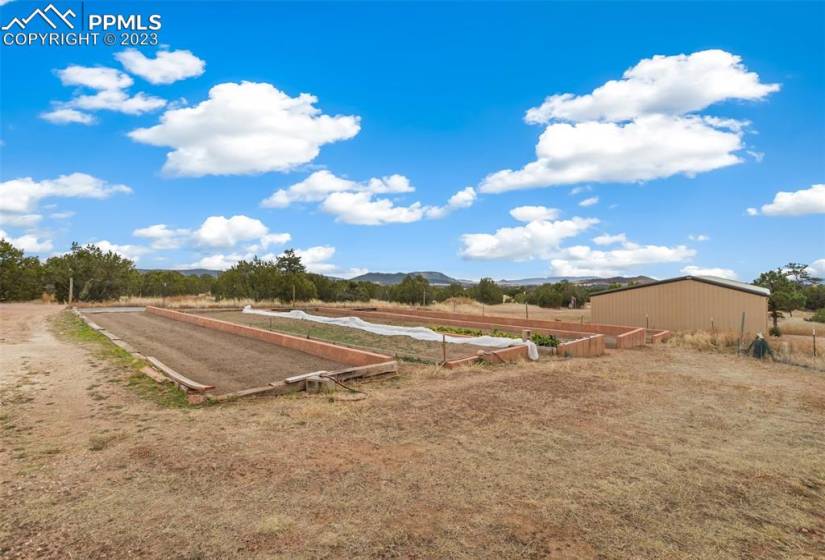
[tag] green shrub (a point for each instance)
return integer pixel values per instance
(545, 340)
(818, 316)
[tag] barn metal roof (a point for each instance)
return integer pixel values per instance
(715, 280)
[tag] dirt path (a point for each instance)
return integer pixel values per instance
(48, 374)
(59, 406)
(227, 361)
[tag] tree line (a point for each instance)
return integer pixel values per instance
(95, 276)
(792, 287)
(101, 276)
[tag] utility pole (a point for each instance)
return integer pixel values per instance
(293, 294)
(71, 289)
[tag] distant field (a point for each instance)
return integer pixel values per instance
(465, 305)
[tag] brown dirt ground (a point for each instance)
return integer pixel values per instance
(657, 453)
(227, 361)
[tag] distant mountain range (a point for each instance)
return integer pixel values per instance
(185, 272)
(541, 280)
(580, 280)
(623, 280)
(393, 278)
(441, 279)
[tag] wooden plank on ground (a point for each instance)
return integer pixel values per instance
(178, 378)
(303, 376)
(124, 345)
(153, 374)
(108, 335)
(363, 371)
(276, 388)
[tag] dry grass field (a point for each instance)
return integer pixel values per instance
(459, 305)
(664, 452)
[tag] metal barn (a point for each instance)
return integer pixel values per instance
(685, 303)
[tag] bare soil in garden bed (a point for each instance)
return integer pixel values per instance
(400, 347)
(227, 361)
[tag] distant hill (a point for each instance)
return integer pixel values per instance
(185, 272)
(621, 280)
(393, 278)
(441, 279)
(580, 280)
(540, 280)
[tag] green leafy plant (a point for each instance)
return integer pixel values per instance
(545, 340)
(818, 316)
(456, 330)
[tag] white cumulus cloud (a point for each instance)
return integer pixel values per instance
(354, 202)
(321, 184)
(167, 66)
(591, 201)
(672, 85)
(67, 116)
(110, 94)
(315, 259)
(29, 243)
(23, 194)
(710, 271)
(162, 236)
(117, 100)
(215, 232)
(533, 213)
(817, 268)
(651, 147)
(641, 127)
(537, 239)
(94, 77)
(219, 231)
(699, 237)
(581, 260)
(245, 128)
(796, 203)
(131, 252)
(19, 220)
(360, 208)
(607, 239)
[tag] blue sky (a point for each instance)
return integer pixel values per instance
(415, 110)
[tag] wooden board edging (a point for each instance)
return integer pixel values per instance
(177, 378)
(327, 350)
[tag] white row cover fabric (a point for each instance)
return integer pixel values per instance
(418, 333)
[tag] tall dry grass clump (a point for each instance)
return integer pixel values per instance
(788, 349)
(706, 341)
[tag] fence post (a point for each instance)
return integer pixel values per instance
(444, 348)
(71, 289)
(741, 334)
(813, 333)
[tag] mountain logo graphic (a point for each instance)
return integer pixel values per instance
(44, 15)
